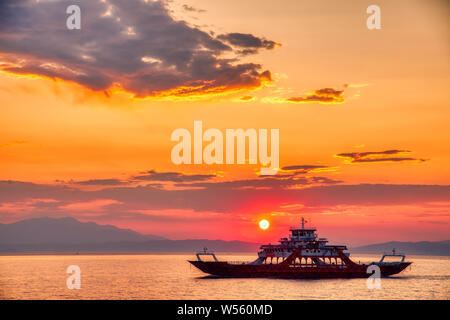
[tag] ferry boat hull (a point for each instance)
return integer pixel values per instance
(225, 269)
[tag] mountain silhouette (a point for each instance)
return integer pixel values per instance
(65, 230)
(68, 235)
(438, 248)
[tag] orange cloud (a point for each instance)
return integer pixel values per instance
(377, 156)
(247, 98)
(325, 95)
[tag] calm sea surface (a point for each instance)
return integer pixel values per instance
(171, 277)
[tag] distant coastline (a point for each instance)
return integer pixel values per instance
(70, 236)
(441, 248)
(431, 248)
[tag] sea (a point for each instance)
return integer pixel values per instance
(170, 276)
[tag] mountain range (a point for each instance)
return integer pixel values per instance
(431, 248)
(65, 230)
(68, 235)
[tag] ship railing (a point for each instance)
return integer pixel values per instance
(205, 252)
(303, 239)
(270, 245)
(313, 265)
(390, 254)
(300, 228)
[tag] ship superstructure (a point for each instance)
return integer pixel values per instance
(307, 245)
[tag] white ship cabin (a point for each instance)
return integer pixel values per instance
(302, 236)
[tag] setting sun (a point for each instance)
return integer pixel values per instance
(264, 224)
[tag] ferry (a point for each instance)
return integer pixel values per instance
(304, 256)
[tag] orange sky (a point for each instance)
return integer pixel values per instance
(56, 133)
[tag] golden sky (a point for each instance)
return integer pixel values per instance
(364, 113)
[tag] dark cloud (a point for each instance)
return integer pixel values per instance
(281, 180)
(246, 52)
(303, 168)
(100, 182)
(150, 175)
(325, 95)
(378, 156)
(274, 182)
(134, 45)
(398, 159)
(172, 176)
(248, 42)
(192, 9)
(11, 190)
(324, 180)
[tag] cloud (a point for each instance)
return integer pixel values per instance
(172, 176)
(264, 182)
(234, 203)
(325, 95)
(382, 206)
(100, 182)
(248, 41)
(247, 98)
(299, 169)
(150, 175)
(192, 9)
(356, 85)
(239, 196)
(287, 179)
(378, 156)
(134, 46)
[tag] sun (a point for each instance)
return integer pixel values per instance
(264, 224)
